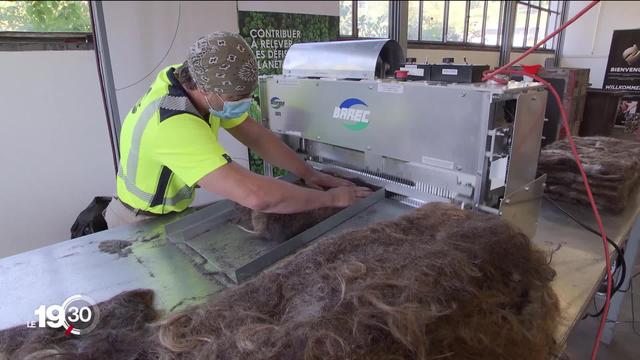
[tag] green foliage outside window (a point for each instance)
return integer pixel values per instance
(45, 16)
(373, 19)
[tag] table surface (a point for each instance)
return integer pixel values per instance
(579, 263)
(50, 274)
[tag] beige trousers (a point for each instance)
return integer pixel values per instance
(117, 214)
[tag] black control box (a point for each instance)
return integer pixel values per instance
(457, 73)
(417, 72)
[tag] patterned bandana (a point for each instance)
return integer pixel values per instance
(223, 63)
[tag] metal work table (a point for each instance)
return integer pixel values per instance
(579, 262)
(51, 274)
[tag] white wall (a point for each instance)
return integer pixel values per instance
(54, 145)
(140, 33)
(587, 41)
(532, 59)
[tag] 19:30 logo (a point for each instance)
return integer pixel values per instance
(77, 315)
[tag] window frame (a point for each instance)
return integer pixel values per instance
(39, 41)
(47, 40)
(354, 24)
(558, 13)
(465, 44)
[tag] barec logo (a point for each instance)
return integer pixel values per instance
(354, 114)
(276, 102)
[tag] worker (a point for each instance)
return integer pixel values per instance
(169, 142)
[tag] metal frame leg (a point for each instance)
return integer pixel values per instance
(630, 254)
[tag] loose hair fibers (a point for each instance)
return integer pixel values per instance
(436, 283)
(122, 333)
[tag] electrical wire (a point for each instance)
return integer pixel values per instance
(630, 281)
(633, 312)
(541, 42)
(574, 151)
(633, 320)
(620, 262)
(175, 34)
(633, 308)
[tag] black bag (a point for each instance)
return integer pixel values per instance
(91, 219)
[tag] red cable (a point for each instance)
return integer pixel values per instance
(541, 42)
(567, 129)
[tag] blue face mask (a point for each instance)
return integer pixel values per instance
(231, 109)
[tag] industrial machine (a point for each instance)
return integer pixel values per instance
(475, 145)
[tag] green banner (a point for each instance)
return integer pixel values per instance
(270, 35)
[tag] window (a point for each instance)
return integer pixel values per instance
(492, 23)
(346, 18)
(457, 22)
(426, 20)
(364, 19)
(45, 25)
(45, 16)
(470, 24)
(534, 21)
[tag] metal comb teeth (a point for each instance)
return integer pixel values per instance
(381, 179)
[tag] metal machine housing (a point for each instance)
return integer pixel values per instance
(476, 145)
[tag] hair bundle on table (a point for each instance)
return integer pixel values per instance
(612, 165)
(438, 282)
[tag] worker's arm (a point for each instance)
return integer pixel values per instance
(273, 150)
(267, 194)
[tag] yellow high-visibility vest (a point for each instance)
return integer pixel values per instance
(166, 147)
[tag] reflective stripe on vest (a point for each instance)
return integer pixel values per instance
(129, 177)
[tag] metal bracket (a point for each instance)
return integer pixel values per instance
(522, 205)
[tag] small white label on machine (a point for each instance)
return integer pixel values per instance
(449, 71)
(413, 71)
(391, 88)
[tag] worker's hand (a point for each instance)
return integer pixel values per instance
(320, 180)
(344, 196)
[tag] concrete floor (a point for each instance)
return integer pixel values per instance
(626, 343)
